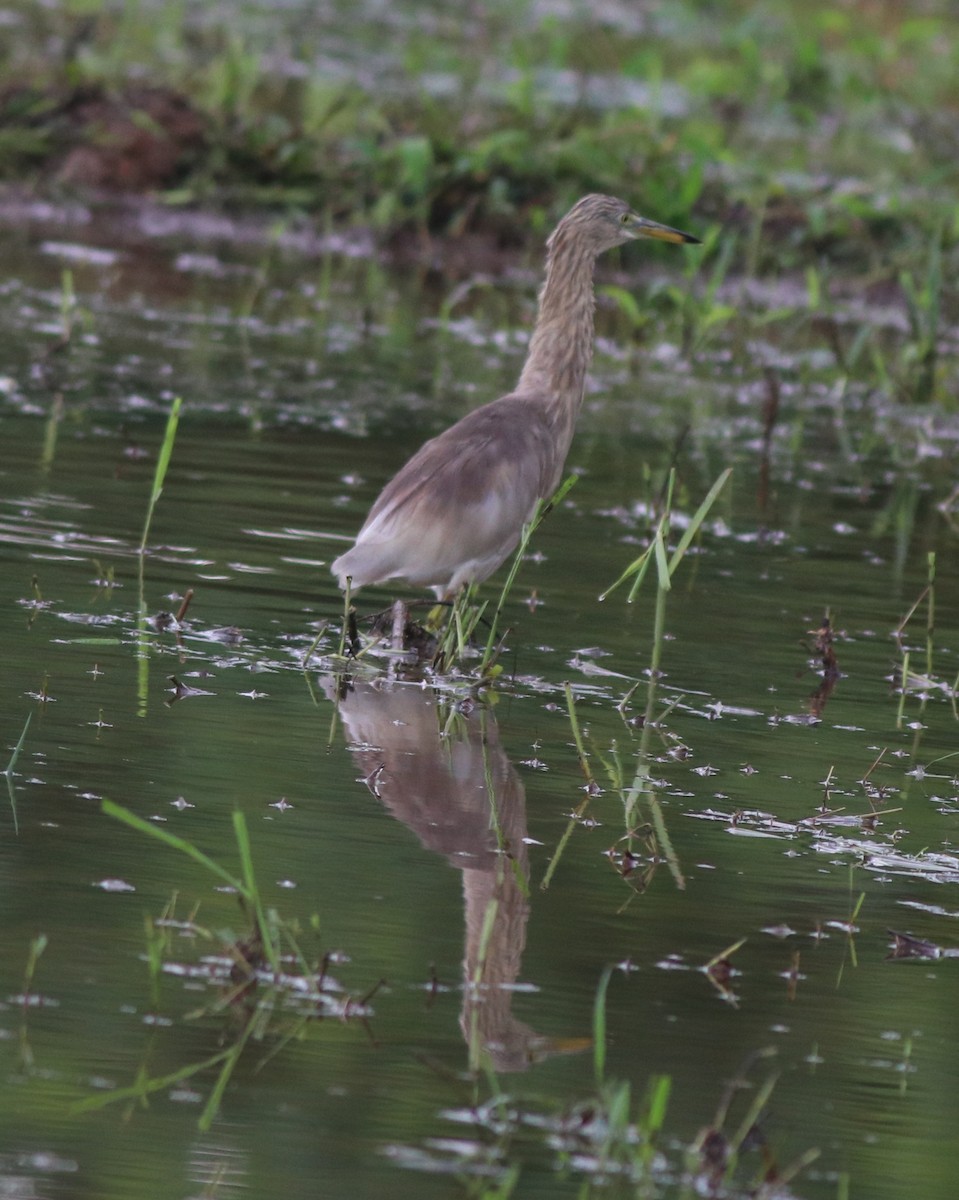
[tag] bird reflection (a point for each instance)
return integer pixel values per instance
(445, 775)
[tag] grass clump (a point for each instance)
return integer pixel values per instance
(264, 986)
(442, 127)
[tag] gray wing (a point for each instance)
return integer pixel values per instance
(458, 506)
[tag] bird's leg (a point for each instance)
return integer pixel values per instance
(397, 637)
(398, 642)
(353, 633)
(344, 632)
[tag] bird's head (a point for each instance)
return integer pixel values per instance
(600, 222)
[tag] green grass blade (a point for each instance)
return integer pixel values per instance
(230, 1059)
(252, 891)
(147, 1086)
(577, 734)
(170, 839)
(637, 567)
(8, 770)
(698, 517)
(163, 461)
(662, 563)
(528, 530)
(557, 854)
(8, 773)
(657, 1102)
(665, 569)
(599, 1026)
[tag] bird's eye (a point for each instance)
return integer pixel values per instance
(624, 218)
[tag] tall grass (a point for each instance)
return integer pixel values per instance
(163, 462)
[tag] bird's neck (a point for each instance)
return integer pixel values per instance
(562, 343)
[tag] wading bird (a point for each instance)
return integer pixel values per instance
(456, 510)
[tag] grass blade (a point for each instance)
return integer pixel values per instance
(163, 461)
(599, 1026)
(698, 517)
(8, 770)
(662, 563)
(528, 530)
(252, 892)
(170, 839)
(145, 1087)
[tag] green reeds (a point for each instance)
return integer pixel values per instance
(924, 309)
(599, 1026)
(924, 681)
(666, 566)
(262, 945)
(163, 462)
(145, 1085)
(666, 563)
(37, 947)
(245, 884)
(456, 637)
(15, 753)
(591, 787)
(159, 476)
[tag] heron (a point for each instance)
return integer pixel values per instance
(457, 509)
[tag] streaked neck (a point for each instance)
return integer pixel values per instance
(562, 343)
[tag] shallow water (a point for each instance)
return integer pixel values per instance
(306, 382)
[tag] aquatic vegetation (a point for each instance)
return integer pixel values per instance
(263, 981)
(502, 113)
(10, 770)
(789, 856)
(162, 465)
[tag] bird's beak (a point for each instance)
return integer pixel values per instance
(639, 227)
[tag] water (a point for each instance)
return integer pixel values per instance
(306, 382)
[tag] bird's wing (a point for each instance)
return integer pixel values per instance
(491, 467)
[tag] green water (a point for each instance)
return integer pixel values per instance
(305, 383)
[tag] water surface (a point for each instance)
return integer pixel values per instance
(806, 823)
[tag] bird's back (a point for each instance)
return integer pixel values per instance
(455, 511)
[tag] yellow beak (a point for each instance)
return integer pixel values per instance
(641, 227)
